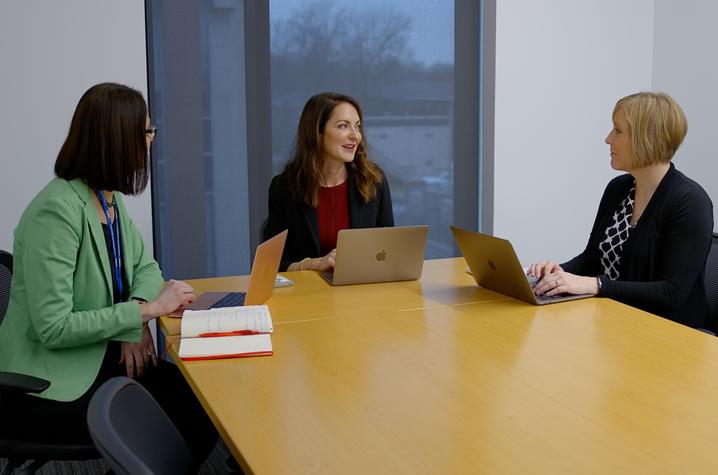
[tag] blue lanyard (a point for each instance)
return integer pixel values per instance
(115, 238)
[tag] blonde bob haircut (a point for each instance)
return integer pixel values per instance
(657, 126)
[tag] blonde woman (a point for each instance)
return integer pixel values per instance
(652, 232)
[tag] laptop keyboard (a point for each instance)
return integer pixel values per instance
(232, 299)
(542, 298)
(549, 298)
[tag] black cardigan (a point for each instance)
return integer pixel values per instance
(663, 261)
(303, 223)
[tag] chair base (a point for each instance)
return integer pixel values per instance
(14, 466)
(18, 454)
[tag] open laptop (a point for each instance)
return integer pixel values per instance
(495, 266)
(261, 281)
(371, 255)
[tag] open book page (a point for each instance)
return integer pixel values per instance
(225, 347)
(226, 321)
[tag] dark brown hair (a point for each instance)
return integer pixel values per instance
(106, 146)
(304, 168)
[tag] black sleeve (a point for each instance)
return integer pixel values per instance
(277, 220)
(580, 264)
(587, 263)
(680, 259)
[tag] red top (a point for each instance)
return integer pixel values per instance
(333, 211)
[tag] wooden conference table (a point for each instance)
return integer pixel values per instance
(440, 376)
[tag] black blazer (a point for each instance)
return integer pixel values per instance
(663, 260)
(303, 223)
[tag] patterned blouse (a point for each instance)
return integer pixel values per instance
(616, 234)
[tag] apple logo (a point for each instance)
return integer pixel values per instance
(381, 256)
(492, 265)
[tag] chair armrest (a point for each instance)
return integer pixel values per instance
(21, 383)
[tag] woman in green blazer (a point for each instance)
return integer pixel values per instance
(85, 286)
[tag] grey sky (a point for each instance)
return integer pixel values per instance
(432, 35)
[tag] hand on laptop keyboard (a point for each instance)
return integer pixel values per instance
(326, 263)
(540, 269)
(322, 264)
(560, 283)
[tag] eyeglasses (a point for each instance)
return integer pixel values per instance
(151, 132)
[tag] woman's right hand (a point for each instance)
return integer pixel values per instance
(325, 263)
(543, 268)
(176, 294)
(317, 263)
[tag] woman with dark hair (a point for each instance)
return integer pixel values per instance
(85, 286)
(329, 184)
(652, 232)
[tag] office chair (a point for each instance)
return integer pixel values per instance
(133, 433)
(38, 449)
(711, 282)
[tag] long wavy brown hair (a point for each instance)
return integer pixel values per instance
(303, 170)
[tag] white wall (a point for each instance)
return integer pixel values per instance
(560, 67)
(686, 67)
(50, 53)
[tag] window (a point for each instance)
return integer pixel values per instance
(228, 79)
(396, 58)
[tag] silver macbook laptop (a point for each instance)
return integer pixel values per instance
(495, 266)
(372, 255)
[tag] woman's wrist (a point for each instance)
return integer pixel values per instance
(148, 310)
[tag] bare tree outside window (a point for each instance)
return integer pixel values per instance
(228, 79)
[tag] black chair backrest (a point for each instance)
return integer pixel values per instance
(5, 278)
(711, 282)
(39, 449)
(133, 433)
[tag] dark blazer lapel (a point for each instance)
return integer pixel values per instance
(98, 236)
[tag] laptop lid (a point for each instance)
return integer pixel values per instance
(267, 258)
(495, 266)
(371, 255)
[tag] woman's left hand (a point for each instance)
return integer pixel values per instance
(561, 282)
(137, 355)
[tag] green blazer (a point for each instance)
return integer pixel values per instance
(61, 315)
